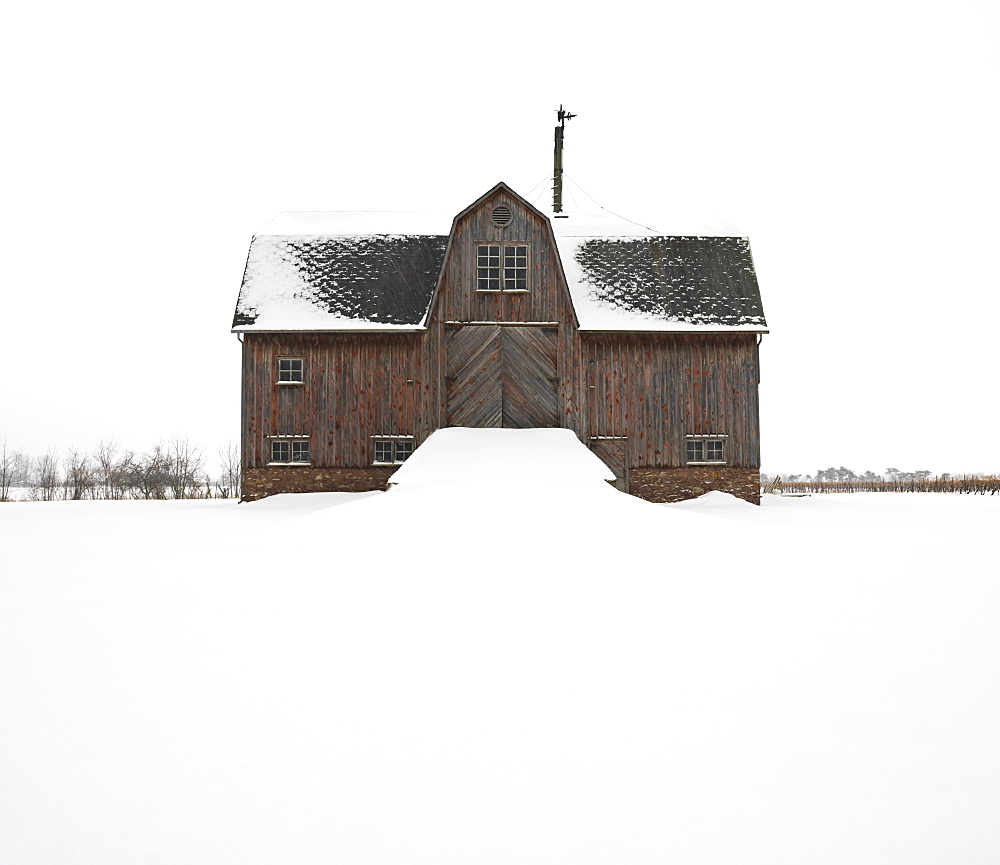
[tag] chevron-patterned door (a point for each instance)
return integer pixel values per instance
(501, 376)
(472, 370)
(528, 360)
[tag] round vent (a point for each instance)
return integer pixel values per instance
(502, 215)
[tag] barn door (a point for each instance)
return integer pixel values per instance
(472, 371)
(529, 377)
(501, 376)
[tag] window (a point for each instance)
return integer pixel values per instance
(705, 449)
(502, 267)
(392, 451)
(289, 450)
(290, 370)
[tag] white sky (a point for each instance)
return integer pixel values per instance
(855, 145)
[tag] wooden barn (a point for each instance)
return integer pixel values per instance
(365, 332)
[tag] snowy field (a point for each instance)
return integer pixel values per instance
(471, 669)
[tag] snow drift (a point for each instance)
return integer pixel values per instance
(486, 672)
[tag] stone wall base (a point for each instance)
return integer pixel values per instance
(675, 485)
(653, 485)
(258, 483)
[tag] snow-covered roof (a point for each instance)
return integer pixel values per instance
(624, 275)
(656, 283)
(370, 270)
(331, 281)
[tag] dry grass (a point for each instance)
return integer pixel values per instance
(975, 484)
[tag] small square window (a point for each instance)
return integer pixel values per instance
(291, 370)
(502, 267)
(695, 452)
(392, 451)
(384, 452)
(704, 449)
(290, 451)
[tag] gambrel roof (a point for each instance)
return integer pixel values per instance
(373, 271)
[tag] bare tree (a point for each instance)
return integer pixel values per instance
(112, 467)
(149, 475)
(78, 481)
(45, 485)
(12, 469)
(175, 469)
(186, 467)
(228, 485)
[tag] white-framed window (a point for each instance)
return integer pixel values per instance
(705, 450)
(289, 450)
(501, 267)
(291, 370)
(391, 450)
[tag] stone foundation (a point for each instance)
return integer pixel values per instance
(653, 485)
(258, 483)
(675, 485)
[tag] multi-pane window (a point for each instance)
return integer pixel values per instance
(502, 267)
(705, 450)
(515, 268)
(488, 268)
(290, 370)
(389, 451)
(290, 450)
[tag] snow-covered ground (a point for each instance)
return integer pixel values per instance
(472, 668)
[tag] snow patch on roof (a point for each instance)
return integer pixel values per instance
(340, 282)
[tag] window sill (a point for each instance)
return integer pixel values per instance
(289, 383)
(399, 463)
(503, 291)
(289, 464)
(707, 463)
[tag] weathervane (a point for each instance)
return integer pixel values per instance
(557, 172)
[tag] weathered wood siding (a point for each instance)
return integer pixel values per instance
(357, 385)
(657, 388)
(547, 299)
(651, 388)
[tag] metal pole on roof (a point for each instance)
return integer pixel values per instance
(557, 170)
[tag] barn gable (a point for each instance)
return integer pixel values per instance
(507, 236)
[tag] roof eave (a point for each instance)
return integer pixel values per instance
(398, 329)
(671, 330)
